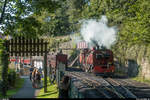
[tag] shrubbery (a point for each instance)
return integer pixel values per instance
(0, 85)
(11, 78)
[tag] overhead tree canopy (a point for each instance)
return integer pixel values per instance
(18, 19)
(59, 17)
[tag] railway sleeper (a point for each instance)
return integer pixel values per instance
(109, 90)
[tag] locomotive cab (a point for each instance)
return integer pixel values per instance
(103, 62)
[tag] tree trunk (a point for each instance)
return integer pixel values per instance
(3, 12)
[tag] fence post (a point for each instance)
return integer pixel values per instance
(45, 72)
(5, 58)
(57, 75)
(60, 73)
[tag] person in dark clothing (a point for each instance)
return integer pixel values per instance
(31, 70)
(40, 70)
(38, 79)
(64, 87)
(53, 77)
(33, 78)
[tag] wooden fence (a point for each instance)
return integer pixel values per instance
(74, 90)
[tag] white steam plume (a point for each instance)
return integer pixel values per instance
(99, 32)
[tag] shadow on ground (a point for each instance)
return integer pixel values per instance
(48, 94)
(27, 91)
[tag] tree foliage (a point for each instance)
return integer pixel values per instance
(131, 16)
(59, 17)
(18, 17)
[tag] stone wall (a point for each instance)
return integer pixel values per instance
(137, 61)
(145, 68)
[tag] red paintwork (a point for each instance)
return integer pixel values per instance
(99, 69)
(13, 60)
(27, 61)
(62, 58)
(82, 56)
(88, 57)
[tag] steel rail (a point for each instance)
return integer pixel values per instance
(112, 90)
(97, 84)
(130, 94)
(87, 81)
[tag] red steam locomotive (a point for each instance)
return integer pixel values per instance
(98, 61)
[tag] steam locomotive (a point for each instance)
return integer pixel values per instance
(98, 61)
(95, 60)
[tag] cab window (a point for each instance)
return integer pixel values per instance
(99, 56)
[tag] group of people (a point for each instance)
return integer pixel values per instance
(35, 77)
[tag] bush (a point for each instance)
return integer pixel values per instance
(11, 78)
(0, 86)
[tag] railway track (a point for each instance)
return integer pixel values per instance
(109, 88)
(92, 84)
(139, 90)
(121, 89)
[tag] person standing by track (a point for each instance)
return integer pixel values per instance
(53, 77)
(37, 79)
(41, 71)
(33, 78)
(31, 70)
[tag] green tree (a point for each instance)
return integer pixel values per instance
(18, 16)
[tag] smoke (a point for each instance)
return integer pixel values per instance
(98, 31)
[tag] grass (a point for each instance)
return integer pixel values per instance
(142, 80)
(18, 85)
(52, 92)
